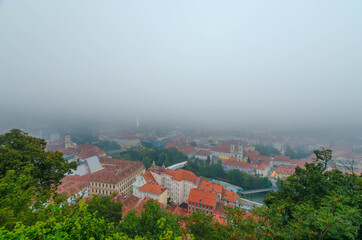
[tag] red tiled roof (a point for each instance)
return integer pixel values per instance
(220, 208)
(112, 163)
(238, 164)
(203, 153)
(170, 145)
(287, 170)
(188, 149)
(230, 196)
(278, 158)
(72, 184)
(233, 158)
(202, 197)
(149, 177)
(152, 188)
(261, 166)
(129, 202)
(181, 174)
(223, 147)
(210, 186)
(83, 151)
(179, 211)
(106, 176)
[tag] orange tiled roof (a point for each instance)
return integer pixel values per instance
(210, 186)
(202, 197)
(230, 196)
(287, 170)
(149, 177)
(152, 188)
(181, 174)
(186, 149)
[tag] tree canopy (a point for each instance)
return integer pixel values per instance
(18, 150)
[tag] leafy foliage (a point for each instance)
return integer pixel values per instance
(297, 153)
(161, 156)
(266, 150)
(107, 145)
(234, 176)
(104, 207)
(18, 150)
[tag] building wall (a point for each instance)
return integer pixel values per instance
(193, 207)
(229, 167)
(162, 198)
(123, 186)
(178, 191)
(201, 157)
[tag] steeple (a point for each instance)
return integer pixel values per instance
(153, 164)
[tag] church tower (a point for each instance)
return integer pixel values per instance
(67, 142)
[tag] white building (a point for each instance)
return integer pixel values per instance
(228, 149)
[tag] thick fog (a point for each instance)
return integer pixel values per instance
(239, 63)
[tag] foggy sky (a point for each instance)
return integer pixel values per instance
(240, 63)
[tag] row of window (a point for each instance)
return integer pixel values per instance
(191, 204)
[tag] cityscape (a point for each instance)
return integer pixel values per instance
(180, 120)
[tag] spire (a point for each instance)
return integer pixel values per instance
(153, 164)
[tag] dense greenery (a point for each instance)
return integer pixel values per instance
(236, 177)
(106, 145)
(104, 207)
(312, 204)
(267, 150)
(297, 153)
(18, 151)
(160, 156)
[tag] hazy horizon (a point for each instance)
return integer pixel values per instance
(282, 64)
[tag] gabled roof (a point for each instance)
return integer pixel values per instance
(238, 164)
(188, 149)
(152, 188)
(230, 196)
(202, 197)
(181, 174)
(210, 186)
(149, 177)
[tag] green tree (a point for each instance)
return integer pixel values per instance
(105, 207)
(18, 150)
(201, 226)
(153, 223)
(315, 204)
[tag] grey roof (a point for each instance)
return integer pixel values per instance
(94, 164)
(81, 170)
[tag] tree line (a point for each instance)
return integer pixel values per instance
(234, 176)
(161, 156)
